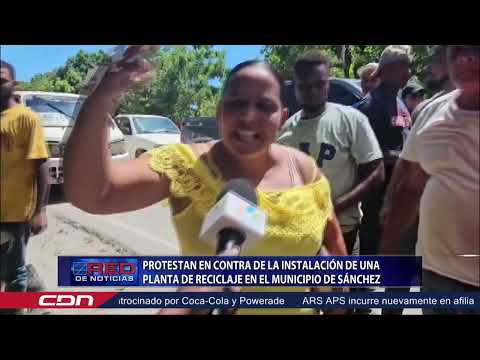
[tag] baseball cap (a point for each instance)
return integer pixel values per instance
(412, 89)
(392, 54)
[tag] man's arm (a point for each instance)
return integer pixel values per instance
(391, 157)
(398, 172)
(409, 156)
(405, 201)
(38, 153)
(39, 221)
(368, 155)
(43, 186)
(371, 176)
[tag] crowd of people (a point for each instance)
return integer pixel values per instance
(394, 174)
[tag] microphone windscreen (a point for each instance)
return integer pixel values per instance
(241, 187)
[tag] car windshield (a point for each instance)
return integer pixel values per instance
(55, 110)
(154, 125)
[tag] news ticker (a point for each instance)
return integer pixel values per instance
(227, 300)
(242, 271)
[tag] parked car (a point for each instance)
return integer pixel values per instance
(199, 129)
(146, 132)
(57, 112)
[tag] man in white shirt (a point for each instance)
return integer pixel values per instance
(441, 179)
(437, 80)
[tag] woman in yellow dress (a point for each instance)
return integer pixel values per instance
(291, 189)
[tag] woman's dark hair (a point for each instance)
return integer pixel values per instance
(9, 67)
(248, 63)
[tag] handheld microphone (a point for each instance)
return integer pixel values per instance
(235, 220)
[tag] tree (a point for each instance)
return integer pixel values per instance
(345, 59)
(363, 54)
(184, 83)
(283, 57)
(69, 77)
(422, 55)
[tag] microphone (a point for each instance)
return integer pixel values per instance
(235, 220)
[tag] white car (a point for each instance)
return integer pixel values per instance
(145, 132)
(57, 112)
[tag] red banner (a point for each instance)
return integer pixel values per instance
(54, 300)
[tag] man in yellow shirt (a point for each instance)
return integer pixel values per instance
(23, 181)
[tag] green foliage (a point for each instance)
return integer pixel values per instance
(208, 107)
(345, 59)
(183, 85)
(364, 54)
(420, 62)
(69, 77)
(187, 78)
(283, 57)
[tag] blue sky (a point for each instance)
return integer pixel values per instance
(33, 59)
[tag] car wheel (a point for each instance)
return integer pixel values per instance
(139, 152)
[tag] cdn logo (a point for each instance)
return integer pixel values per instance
(65, 300)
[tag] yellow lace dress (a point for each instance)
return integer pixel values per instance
(296, 217)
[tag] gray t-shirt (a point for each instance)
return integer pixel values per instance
(339, 139)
